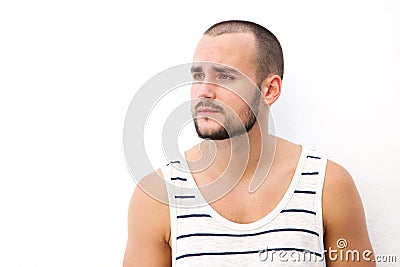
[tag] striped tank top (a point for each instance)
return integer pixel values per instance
(290, 235)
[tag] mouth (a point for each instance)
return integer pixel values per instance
(207, 111)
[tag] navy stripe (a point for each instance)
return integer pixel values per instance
(178, 178)
(253, 234)
(174, 161)
(292, 249)
(245, 252)
(313, 157)
(217, 253)
(183, 196)
(299, 210)
(309, 173)
(305, 192)
(192, 215)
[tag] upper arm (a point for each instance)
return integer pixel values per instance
(148, 225)
(344, 220)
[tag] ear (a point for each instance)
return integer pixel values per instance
(271, 88)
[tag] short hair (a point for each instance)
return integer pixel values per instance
(269, 55)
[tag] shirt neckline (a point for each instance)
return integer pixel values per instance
(268, 217)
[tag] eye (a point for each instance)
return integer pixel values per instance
(198, 76)
(225, 77)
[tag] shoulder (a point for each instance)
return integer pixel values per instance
(343, 213)
(338, 183)
(152, 188)
(148, 224)
(149, 204)
(339, 193)
(337, 179)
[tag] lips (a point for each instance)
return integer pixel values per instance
(206, 110)
(207, 107)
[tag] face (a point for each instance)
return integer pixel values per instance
(225, 97)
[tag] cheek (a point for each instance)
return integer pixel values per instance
(192, 95)
(194, 90)
(236, 101)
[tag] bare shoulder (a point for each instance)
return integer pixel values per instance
(343, 216)
(339, 188)
(148, 224)
(153, 190)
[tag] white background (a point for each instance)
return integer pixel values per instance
(69, 69)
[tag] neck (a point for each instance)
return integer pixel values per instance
(240, 156)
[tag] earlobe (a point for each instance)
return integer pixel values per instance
(271, 88)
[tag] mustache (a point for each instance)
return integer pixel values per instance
(206, 103)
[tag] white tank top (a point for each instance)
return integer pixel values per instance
(290, 235)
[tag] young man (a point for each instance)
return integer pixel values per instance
(257, 200)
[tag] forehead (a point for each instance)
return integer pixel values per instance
(233, 49)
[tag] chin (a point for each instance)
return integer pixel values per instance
(208, 133)
(212, 134)
(210, 129)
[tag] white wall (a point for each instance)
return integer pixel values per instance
(68, 71)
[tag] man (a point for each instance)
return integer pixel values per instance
(267, 201)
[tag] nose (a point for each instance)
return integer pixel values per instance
(206, 90)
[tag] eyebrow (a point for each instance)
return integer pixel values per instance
(194, 69)
(219, 69)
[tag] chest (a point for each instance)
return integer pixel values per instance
(241, 206)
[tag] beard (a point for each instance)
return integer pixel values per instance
(232, 127)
